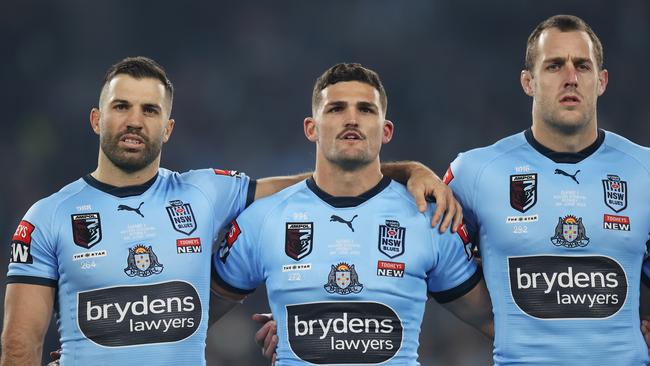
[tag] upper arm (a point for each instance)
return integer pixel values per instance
(474, 308)
(27, 313)
(268, 186)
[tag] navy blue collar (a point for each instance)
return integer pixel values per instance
(565, 157)
(342, 202)
(121, 192)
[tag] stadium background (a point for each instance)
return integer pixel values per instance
(243, 73)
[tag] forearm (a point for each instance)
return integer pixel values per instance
(221, 302)
(268, 186)
(401, 171)
(19, 350)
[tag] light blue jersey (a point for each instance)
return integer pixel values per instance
(347, 277)
(562, 239)
(131, 265)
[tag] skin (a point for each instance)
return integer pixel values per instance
(565, 84)
(348, 127)
(133, 122)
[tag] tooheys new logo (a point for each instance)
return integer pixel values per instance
(133, 315)
(554, 287)
(344, 332)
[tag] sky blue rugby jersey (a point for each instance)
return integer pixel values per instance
(562, 239)
(131, 265)
(347, 277)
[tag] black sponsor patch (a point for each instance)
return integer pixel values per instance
(563, 287)
(299, 239)
(86, 229)
(133, 315)
(615, 192)
(344, 332)
(181, 217)
(523, 191)
(392, 239)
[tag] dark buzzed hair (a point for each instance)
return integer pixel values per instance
(348, 72)
(564, 23)
(140, 67)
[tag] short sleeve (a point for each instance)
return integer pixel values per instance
(32, 257)
(454, 273)
(237, 263)
(461, 180)
(229, 190)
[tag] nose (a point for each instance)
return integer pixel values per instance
(571, 76)
(351, 119)
(135, 118)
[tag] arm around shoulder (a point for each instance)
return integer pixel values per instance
(28, 310)
(268, 186)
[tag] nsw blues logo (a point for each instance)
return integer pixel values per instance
(523, 191)
(570, 232)
(392, 239)
(86, 229)
(181, 217)
(142, 262)
(343, 279)
(615, 192)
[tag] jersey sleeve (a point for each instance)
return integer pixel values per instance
(33, 257)
(229, 190)
(237, 263)
(462, 179)
(454, 272)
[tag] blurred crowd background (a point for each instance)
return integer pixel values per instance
(243, 72)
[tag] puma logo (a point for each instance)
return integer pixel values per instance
(562, 172)
(127, 208)
(343, 221)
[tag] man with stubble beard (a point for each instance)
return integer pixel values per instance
(124, 252)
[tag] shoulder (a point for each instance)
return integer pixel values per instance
(635, 151)
(199, 175)
(476, 159)
(51, 203)
(262, 207)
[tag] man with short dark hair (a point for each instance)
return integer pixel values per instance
(561, 215)
(347, 258)
(125, 251)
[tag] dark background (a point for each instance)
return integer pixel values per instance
(243, 72)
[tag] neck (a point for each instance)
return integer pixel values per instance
(344, 183)
(108, 173)
(561, 141)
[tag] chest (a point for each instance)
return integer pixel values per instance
(347, 253)
(565, 208)
(103, 242)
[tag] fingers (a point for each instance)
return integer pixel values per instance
(269, 350)
(458, 217)
(645, 329)
(265, 331)
(262, 318)
(273, 360)
(418, 191)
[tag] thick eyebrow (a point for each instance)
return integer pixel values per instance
(145, 105)
(337, 103)
(368, 105)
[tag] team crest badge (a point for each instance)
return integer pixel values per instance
(570, 233)
(86, 229)
(343, 279)
(523, 191)
(615, 192)
(392, 239)
(299, 238)
(181, 216)
(142, 262)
